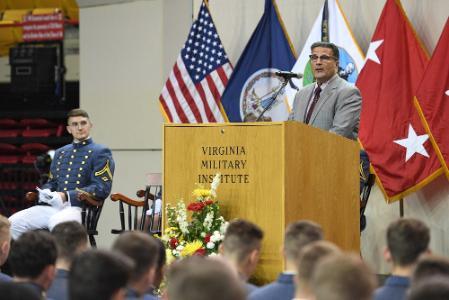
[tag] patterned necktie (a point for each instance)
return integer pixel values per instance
(316, 97)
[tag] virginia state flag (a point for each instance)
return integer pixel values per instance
(432, 98)
(330, 26)
(253, 81)
(391, 131)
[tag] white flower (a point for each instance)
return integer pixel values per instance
(203, 234)
(214, 184)
(223, 227)
(213, 254)
(210, 245)
(216, 237)
(179, 248)
(181, 217)
(208, 220)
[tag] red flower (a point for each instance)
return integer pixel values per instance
(208, 202)
(200, 252)
(195, 206)
(173, 242)
(207, 238)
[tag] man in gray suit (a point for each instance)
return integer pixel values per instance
(331, 103)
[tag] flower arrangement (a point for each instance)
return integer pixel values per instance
(202, 233)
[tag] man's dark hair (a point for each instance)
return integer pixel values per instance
(98, 274)
(431, 288)
(160, 264)
(77, 112)
(201, 278)
(298, 235)
(430, 265)
(31, 253)
(139, 247)
(332, 46)
(69, 237)
(407, 239)
(17, 291)
(241, 238)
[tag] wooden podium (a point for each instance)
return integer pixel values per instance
(272, 174)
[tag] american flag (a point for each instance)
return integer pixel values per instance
(193, 90)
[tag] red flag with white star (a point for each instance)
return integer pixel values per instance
(390, 131)
(433, 98)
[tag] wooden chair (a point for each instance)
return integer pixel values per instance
(90, 213)
(136, 214)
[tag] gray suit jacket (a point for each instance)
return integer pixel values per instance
(337, 110)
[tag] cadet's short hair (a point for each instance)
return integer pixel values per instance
(298, 235)
(70, 237)
(17, 291)
(31, 253)
(241, 238)
(310, 256)
(141, 248)
(342, 277)
(77, 112)
(430, 265)
(201, 278)
(431, 288)
(98, 274)
(407, 239)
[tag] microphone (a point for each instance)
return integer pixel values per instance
(288, 75)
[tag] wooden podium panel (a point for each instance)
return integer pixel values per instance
(272, 174)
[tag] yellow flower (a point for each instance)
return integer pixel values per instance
(191, 248)
(201, 193)
(170, 229)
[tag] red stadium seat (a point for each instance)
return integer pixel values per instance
(37, 123)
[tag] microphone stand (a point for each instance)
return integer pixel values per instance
(273, 99)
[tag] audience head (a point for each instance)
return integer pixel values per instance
(241, 245)
(298, 235)
(342, 277)
(143, 250)
(71, 240)
(160, 264)
(16, 291)
(432, 288)
(307, 261)
(201, 278)
(407, 239)
(5, 239)
(99, 275)
(430, 265)
(33, 257)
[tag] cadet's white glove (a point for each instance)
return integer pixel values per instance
(52, 198)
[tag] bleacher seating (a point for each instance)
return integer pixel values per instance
(21, 141)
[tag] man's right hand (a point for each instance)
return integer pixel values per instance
(53, 198)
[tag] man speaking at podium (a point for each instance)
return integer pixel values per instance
(331, 103)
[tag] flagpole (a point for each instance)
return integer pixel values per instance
(401, 208)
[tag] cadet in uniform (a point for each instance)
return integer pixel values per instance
(80, 167)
